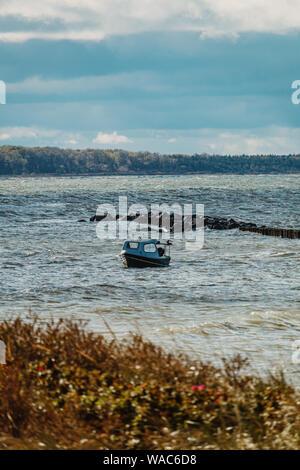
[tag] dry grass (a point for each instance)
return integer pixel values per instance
(66, 388)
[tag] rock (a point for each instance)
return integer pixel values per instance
(97, 218)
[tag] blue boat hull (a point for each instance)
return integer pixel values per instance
(136, 261)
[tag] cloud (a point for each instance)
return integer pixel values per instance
(268, 140)
(23, 36)
(33, 135)
(9, 133)
(72, 142)
(5, 136)
(142, 81)
(57, 137)
(275, 140)
(113, 138)
(94, 19)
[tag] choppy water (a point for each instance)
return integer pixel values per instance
(240, 293)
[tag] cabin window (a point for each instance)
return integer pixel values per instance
(133, 245)
(150, 248)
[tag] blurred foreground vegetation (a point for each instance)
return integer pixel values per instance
(64, 387)
(17, 160)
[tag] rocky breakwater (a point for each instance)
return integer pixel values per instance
(191, 222)
(272, 231)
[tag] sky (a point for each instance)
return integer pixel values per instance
(167, 76)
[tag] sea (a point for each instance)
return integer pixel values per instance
(237, 294)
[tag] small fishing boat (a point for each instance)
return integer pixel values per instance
(142, 254)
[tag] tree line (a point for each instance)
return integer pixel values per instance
(17, 160)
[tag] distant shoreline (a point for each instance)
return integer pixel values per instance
(54, 161)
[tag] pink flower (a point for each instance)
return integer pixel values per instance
(198, 387)
(218, 393)
(40, 368)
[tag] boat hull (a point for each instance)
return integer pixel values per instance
(134, 261)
